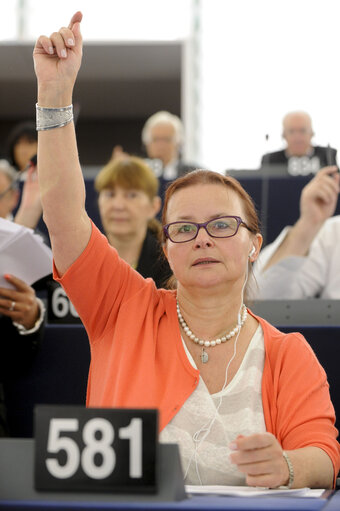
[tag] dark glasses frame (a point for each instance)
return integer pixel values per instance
(204, 225)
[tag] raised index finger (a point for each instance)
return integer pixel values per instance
(76, 18)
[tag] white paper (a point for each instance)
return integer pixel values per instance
(22, 254)
(249, 491)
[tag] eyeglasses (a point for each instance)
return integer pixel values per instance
(222, 227)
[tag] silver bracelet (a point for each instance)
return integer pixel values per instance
(24, 331)
(290, 469)
(50, 118)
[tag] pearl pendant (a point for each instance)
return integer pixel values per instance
(204, 356)
(215, 342)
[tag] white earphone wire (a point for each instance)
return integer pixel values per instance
(206, 428)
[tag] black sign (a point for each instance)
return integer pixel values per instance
(90, 449)
(59, 307)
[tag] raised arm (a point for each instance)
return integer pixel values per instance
(318, 202)
(57, 61)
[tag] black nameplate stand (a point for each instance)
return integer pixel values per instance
(16, 479)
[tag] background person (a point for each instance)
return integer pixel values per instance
(9, 192)
(22, 145)
(300, 156)
(128, 203)
(162, 137)
(30, 210)
(22, 314)
(142, 354)
(21, 333)
(304, 261)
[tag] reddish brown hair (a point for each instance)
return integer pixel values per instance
(198, 177)
(131, 173)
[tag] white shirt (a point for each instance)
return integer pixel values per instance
(168, 172)
(207, 423)
(295, 277)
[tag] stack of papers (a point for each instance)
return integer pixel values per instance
(22, 254)
(248, 491)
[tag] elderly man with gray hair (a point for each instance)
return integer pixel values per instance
(300, 156)
(163, 136)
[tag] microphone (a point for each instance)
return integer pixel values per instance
(33, 161)
(265, 158)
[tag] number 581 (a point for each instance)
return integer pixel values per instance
(98, 436)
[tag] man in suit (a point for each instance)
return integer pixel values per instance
(300, 157)
(162, 136)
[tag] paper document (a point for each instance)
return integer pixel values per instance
(248, 491)
(22, 254)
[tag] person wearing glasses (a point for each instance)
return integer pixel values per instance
(300, 157)
(247, 404)
(162, 138)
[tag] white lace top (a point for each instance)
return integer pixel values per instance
(207, 423)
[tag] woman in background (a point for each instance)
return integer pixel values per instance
(128, 204)
(22, 145)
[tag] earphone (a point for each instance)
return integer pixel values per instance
(252, 252)
(200, 435)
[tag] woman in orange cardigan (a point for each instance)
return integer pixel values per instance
(246, 403)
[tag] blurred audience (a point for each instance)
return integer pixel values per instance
(22, 145)
(304, 261)
(128, 203)
(21, 312)
(300, 156)
(9, 192)
(30, 210)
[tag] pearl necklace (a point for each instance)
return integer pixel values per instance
(215, 342)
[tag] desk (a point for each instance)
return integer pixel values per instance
(193, 504)
(17, 489)
(334, 503)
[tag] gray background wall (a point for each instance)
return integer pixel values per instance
(119, 86)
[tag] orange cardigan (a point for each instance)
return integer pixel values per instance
(138, 360)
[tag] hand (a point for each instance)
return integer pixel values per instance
(20, 304)
(57, 58)
(260, 457)
(319, 197)
(118, 153)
